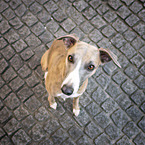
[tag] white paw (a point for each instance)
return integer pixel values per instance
(45, 75)
(54, 106)
(76, 112)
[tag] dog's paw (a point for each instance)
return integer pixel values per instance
(54, 106)
(76, 112)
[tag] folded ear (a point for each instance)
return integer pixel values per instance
(106, 55)
(69, 40)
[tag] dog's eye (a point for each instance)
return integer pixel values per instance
(91, 67)
(70, 58)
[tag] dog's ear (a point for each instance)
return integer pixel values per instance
(106, 55)
(69, 40)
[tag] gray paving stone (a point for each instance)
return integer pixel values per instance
(94, 3)
(102, 139)
(5, 90)
(110, 16)
(28, 3)
(130, 130)
(123, 12)
(4, 26)
(51, 7)
(127, 2)
(16, 62)
(140, 82)
(3, 42)
(83, 140)
(115, 4)
(93, 109)
(75, 132)
(52, 26)
(12, 102)
(11, 36)
(32, 103)
(12, 126)
(5, 140)
(27, 54)
(98, 22)
(123, 141)
(37, 133)
(1, 82)
(20, 11)
(64, 4)
(134, 113)
(140, 28)
(137, 60)
(142, 124)
(39, 90)
(8, 14)
(68, 141)
(119, 26)
(128, 87)
(15, 3)
(142, 51)
(132, 20)
(80, 5)
(68, 25)
(8, 52)
(16, 23)
(108, 31)
(123, 101)
(138, 43)
(24, 32)
(142, 70)
(129, 35)
(136, 7)
(138, 97)
(46, 142)
(89, 13)
(102, 9)
(86, 27)
(141, 14)
(119, 118)
(140, 139)
(21, 137)
(59, 15)
(5, 115)
(21, 112)
(34, 62)
(2, 133)
(35, 8)
(85, 100)
(3, 6)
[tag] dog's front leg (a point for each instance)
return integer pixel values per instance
(76, 108)
(52, 102)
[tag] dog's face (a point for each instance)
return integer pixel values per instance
(82, 61)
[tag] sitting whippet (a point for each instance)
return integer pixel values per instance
(68, 64)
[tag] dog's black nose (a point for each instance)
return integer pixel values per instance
(67, 90)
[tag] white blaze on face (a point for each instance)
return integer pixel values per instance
(73, 78)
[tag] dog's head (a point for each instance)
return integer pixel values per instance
(82, 61)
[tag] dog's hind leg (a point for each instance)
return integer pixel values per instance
(76, 108)
(52, 102)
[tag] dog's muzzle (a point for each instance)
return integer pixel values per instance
(67, 90)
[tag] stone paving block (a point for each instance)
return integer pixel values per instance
(39, 90)
(1, 82)
(34, 62)
(85, 100)
(16, 62)
(86, 27)
(92, 130)
(38, 29)
(115, 4)
(68, 141)
(12, 126)
(68, 25)
(102, 140)
(5, 115)
(134, 113)
(140, 139)
(142, 124)
(93, 109)
(137, 60)
(84, 140)
(137, 43)
(75, 132)
(27, 54)
(143, 107)
(4, 26)
(46, 142)
(138, 97)
(3, 6)
(1, 105)
(35, 8)
(2, 133)
(95, 4)
(130, 129)
(20, 10)
(8, 14)
(8, 52)
(37, 133)
(52, 26)
(75, 15)
(59, 136)
(128, 87)
(129, 35)
(142, 70)
(44, 16)
(59, 15)
(24, 93)
(123, 141)
(51, 7)
(32, 103)
(123, 101)
(16, 23)
(5, 90)
(136, 7)
(5, 140)
(89, 13)
(102, 9)
(21, 137)
(108, 31)
(140, 82)
(127, 2)
(141, 14)
(24, 32)
(123, 12)
(128, 50)
(11, 36)
(15, 3)
(140, 28)
(12, 102)
(28, 3)
(119, 118)
(110, 16)
(80, 5)
(3, 42)
(21, 113)
(64, 4)
(142, 51)
(98, 22)
(28, 122)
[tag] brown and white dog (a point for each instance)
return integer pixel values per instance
(68, 64)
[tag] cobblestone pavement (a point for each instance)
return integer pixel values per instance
(113, 106)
